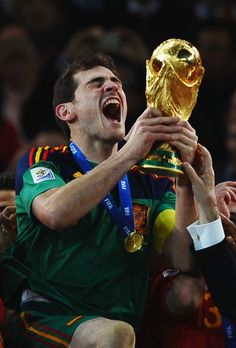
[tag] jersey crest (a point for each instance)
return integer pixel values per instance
(140, 212)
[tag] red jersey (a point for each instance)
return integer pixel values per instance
(202, 329)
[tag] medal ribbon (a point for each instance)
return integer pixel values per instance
(122, 217)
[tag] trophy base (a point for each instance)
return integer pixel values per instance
(162, 163)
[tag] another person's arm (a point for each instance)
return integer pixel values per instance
(217, 261)
(178, 243)
(187, 289)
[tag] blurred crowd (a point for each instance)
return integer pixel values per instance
(38, 37)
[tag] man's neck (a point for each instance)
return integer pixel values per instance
(96, 152)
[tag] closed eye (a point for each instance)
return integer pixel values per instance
(116, 81)
(99, 81)
(96, 82)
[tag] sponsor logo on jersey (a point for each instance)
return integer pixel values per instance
(40, 174)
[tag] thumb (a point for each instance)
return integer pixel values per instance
(190, 172)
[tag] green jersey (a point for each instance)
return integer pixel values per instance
(83, 269)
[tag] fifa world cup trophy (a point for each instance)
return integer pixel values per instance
(173, 76)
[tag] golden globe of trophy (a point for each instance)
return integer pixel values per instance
(173, 76)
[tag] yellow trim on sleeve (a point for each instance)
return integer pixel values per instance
(162, 227)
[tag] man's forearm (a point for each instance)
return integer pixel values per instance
(178, 244)
(79, 196)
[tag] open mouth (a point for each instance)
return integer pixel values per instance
(111, 110)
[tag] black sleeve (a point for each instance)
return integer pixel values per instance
(218, 264)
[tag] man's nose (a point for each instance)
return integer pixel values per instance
(110, 86)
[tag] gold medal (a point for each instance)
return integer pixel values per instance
(133, 242)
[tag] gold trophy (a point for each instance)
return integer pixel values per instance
(173, 76)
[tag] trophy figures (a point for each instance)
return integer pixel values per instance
(173, 76)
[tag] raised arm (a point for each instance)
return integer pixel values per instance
(76, 198)
(214, 255)
(177, 245)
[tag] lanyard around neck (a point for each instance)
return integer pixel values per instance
(123, 217)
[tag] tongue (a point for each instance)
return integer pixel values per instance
(110, 111)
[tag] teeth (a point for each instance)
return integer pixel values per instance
(111, 101)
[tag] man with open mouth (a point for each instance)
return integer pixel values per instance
(89, 219)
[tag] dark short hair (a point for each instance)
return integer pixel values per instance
(65, 86)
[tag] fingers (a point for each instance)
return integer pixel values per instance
(226, 188)
(153, 121)
(8, 218)
(223, 196)
(223, 209)
(13, 221)
(203, 190)
(205, 155)
(226, 184)
(232, 194)
(151, 118)
(155, 115)
(8, 211)
(231, 184)
(185, 141)
(195, 180)
(229, 226)
(190, 172)
(204, 166)
(226, 197)
(152, 127)
(192, 175)
(186, 146)
(232, 244)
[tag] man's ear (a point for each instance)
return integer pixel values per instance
(65, 112)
